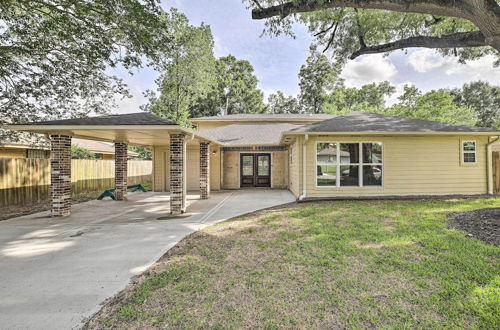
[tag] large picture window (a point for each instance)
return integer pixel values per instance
(347, 164)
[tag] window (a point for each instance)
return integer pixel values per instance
(350, 164)
(469, 152)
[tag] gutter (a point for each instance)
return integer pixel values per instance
(304, 171)
(489, 164)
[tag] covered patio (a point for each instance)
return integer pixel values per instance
(141, 129)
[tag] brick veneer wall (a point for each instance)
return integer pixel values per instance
(120, 170)
(177, 175)
(204, 170)
(60, 175)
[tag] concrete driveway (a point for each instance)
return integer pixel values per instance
(55, 272)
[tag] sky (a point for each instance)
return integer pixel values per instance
(277, 60)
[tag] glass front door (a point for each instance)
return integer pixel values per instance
(255, 170)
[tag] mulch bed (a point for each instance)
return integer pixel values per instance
(483, 224)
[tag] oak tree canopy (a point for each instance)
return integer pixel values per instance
(467, 29)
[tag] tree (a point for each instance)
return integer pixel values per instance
(237, 85)
(144, 153)
(316, 80)
(370, 98)
(187, 71)
(466, 28)
(436, 105)
(54, 55)
(280, 103)
(234, 90)
(484, 99)
(81, 153)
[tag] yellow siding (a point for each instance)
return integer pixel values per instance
(162, 175)
(295, 168)
(215, 167)
(231, 170)
(193, 167)
(412, 166)
(12, 153)
(279, 169)
(160, 169)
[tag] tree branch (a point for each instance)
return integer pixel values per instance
(455, 40)
(331, 37)
(432, 7)
(326, 30)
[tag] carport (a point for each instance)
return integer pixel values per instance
(141, 129)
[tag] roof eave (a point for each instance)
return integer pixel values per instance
(391, 133)
(259, 120)
(253, 145)
(34, 128)
(54, 129)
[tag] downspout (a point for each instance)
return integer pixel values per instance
(304, 171)
(489, 164)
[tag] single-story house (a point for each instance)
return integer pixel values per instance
(367, 155)
(28, 147)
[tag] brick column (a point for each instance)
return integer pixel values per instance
(60, 175)
(120, 171)
(204, 170)
(177, 174)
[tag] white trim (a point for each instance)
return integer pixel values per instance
(489, 164)
(463, 152)
(153, 174)
(360, 165)
(386, 134)
(304, 167)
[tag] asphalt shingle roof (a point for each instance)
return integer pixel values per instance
(358, 121)
(260, 116)
(136, 119)
(249, 134)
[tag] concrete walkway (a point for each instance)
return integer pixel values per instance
(55, 272)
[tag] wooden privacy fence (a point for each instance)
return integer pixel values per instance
(27, 181)
(496, 172)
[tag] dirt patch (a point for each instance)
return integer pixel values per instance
(14, 211)
(483, 224)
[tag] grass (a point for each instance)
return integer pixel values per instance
(358, 264)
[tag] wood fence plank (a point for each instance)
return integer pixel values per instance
(27, 181)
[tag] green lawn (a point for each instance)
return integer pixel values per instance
(386, 264)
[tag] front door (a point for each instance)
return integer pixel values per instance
(255, 170)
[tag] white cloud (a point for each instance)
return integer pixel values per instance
(369, 69)
(431, 62)
(130, 104)
(481, 69)
(425, 60)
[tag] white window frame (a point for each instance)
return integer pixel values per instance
(463, 152)
(338, 164)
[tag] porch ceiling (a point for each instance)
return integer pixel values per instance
(148, 135)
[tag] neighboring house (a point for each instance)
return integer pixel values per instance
(314, 156)
(33, 148)
(102, 150)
